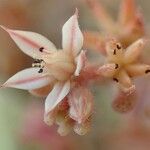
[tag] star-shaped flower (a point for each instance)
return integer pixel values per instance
(57, 70)
(128, 27)
(124, 64)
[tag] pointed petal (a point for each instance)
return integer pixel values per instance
(94, 41)
(27, 79)
(101, 14)
(43, 91)
(81, 104)
(80, 62)
(127, 11)
(108, 70)
(72, 38)
(30, 42)
(125, 82)
(60, 90)
(133, 51)
(138, 69)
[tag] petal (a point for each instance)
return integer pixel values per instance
(82, 129)
(27, 79)
(80, 63)
(127, 11)
(124, 79)
(60, 90)
(133, 51)
(137, 69)
(30, 42)
(108, 70)
(101, 15)
(43, 91)
(81, 104)
(94, 41)
(72, 38)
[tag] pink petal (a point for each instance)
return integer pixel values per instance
(80, 63)
(134, 51)
(28, 79)
(81, 104)
(72, 36)
(30, 42)
(60, 90)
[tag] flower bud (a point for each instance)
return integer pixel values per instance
(124, 102)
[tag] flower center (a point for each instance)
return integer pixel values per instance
(58, 64)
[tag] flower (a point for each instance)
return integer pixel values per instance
(128, 27)
(124, 64)
(56, 73)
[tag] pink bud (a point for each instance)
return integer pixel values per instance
(124, 102)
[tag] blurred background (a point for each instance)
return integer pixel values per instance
(21, 115)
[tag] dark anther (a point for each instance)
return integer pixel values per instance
(147, 71)
(40, 71)
(41, 49)
(114, 52)
(118, 46)
(37, 61)
(116, 66)
(115, 79)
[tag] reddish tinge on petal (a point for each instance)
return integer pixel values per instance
(133, 52)
(32, 44)
(80, 63)
(81, 104)
(28, 79)
(60, 90)
(127, 11)
(72, 38)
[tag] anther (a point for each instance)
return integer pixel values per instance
(147, 71)
(115, 79)
(37, 61)
(118, 46)
(116, 66)
(41, 49)
(114, 52)
(40, 71)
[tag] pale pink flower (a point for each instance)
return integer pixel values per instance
(55, 73)
(128, 27)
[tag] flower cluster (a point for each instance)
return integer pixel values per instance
(63, 76)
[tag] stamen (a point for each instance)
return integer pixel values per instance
(40, 71)
(116, 66)
(41, 49)
(38, 61)
(118, 46)
(115, 79)
(147, 71)
(114, 52)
